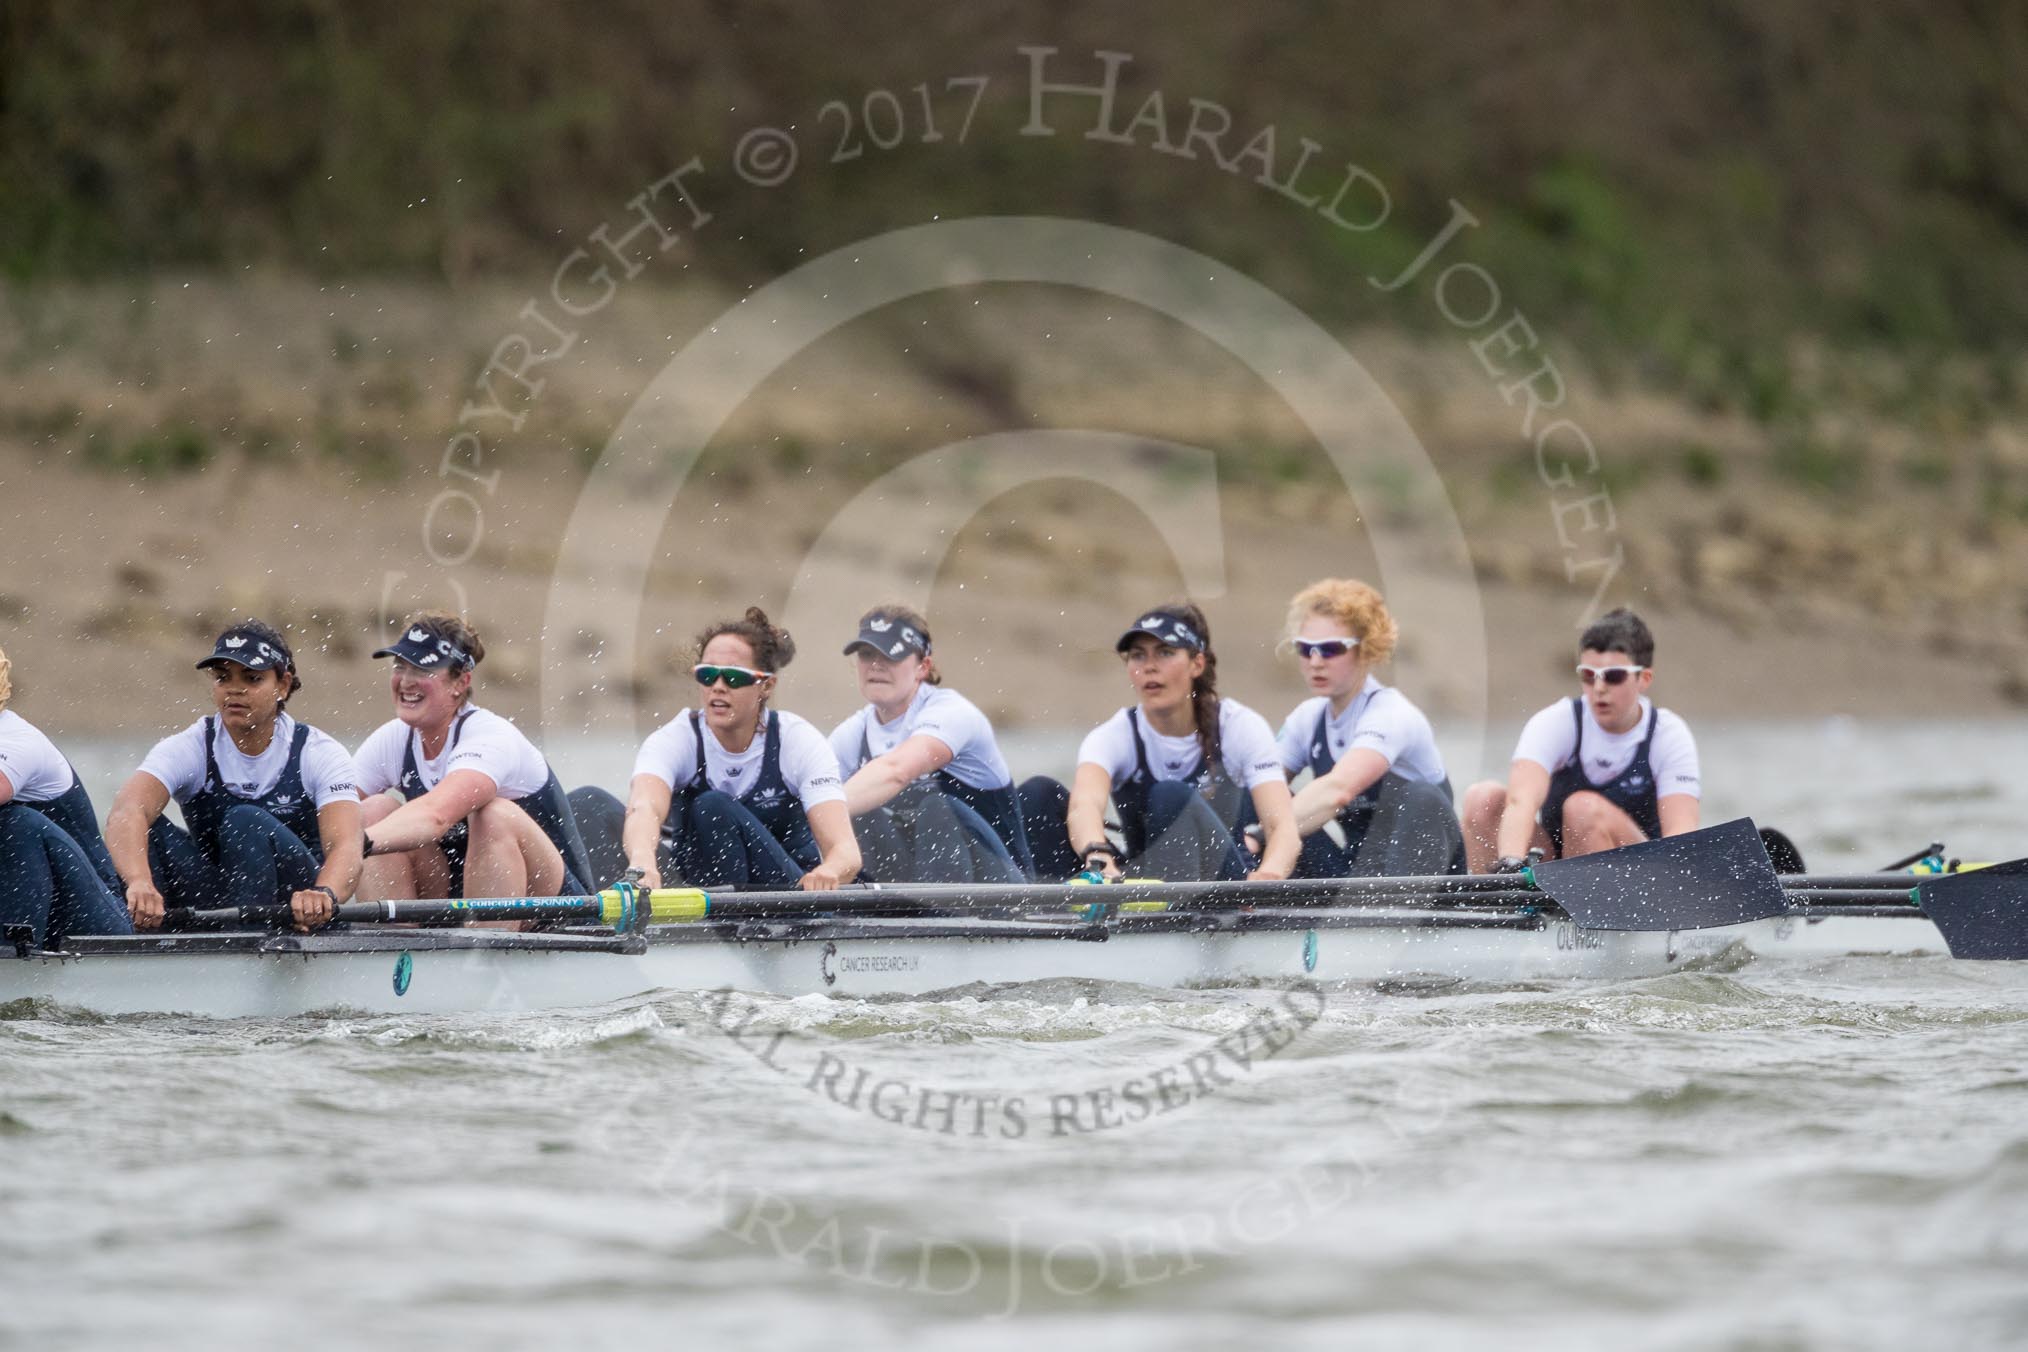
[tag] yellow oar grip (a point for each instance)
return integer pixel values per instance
(666, 905)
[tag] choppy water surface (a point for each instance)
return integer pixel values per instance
(1826, 1155)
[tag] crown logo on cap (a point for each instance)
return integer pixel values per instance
(417, 636)
(880, 626)
(235, 642)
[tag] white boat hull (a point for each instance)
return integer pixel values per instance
(453, 971)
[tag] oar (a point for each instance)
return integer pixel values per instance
(1933, 850)
(617, 907)
(1781, 851)
(1981, 914)
(1698, 880)
(679, 905)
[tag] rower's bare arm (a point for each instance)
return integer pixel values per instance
(1678, 812)
(139, 802)
(1085, 820)
(1527, 790)
(1327, 795)
(6, 790)
(423, 821)
(338, 827)
(648, 800)
(1276, 808)
(877, 781)
(831, 824)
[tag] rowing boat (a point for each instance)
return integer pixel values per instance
(1645, 910)
(385, 970)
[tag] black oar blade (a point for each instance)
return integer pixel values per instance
(1983, 913)
(1781, 851)
(1701, 879)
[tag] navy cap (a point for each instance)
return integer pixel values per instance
(889, 638)
(249, 648)
(1164, 626)
(420, 648)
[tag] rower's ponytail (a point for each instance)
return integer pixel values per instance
(6, 682)
(1204, 691)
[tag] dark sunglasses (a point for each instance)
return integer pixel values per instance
(1610, 675)
(735, 678)
(1324, 647)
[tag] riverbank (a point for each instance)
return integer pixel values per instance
(184, 449)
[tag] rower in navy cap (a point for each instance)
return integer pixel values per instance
(458, 802)
(55, 875)
(1180, 765)
(270, 804)
(931, 797)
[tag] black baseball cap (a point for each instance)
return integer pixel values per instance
(889, 637)
(254, 649)
(1164, 625)
(420, 648)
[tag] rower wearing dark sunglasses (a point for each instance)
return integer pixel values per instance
(1373, 759)
(734, 793)
(1594, 772)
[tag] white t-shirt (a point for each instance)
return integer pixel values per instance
(1550, 740)
(30, 761)
(1246, 746)
(480, 740)
(934, 712)
(808, 767)
(178, 763)
(1378, 718)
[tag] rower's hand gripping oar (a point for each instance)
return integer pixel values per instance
(1982, 913)
(1720, 875)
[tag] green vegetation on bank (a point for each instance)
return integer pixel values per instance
(1683, 194)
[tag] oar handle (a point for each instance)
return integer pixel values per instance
(620, 907)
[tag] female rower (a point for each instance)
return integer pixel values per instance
(270, 805)
(1174, 765)
(55, 875)
(734, 793)
(1374, 762)
(458, 802)
(927, 787)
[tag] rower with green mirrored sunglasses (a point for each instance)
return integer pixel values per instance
(734, 678)
(733, 792)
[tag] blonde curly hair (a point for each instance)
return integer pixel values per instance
(6, 682)
(1356, 606)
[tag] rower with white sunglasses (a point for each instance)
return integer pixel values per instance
(1599, 770)
(734, 793)
(1374, 764)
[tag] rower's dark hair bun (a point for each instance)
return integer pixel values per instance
(772, 647)
(781, 649)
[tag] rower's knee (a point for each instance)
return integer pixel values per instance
(376, 807)
(1587, 813)
(1485, 801)
(496, 822)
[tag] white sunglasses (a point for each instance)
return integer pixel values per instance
(1589, 674)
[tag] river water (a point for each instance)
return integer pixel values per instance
(1825, 1155)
